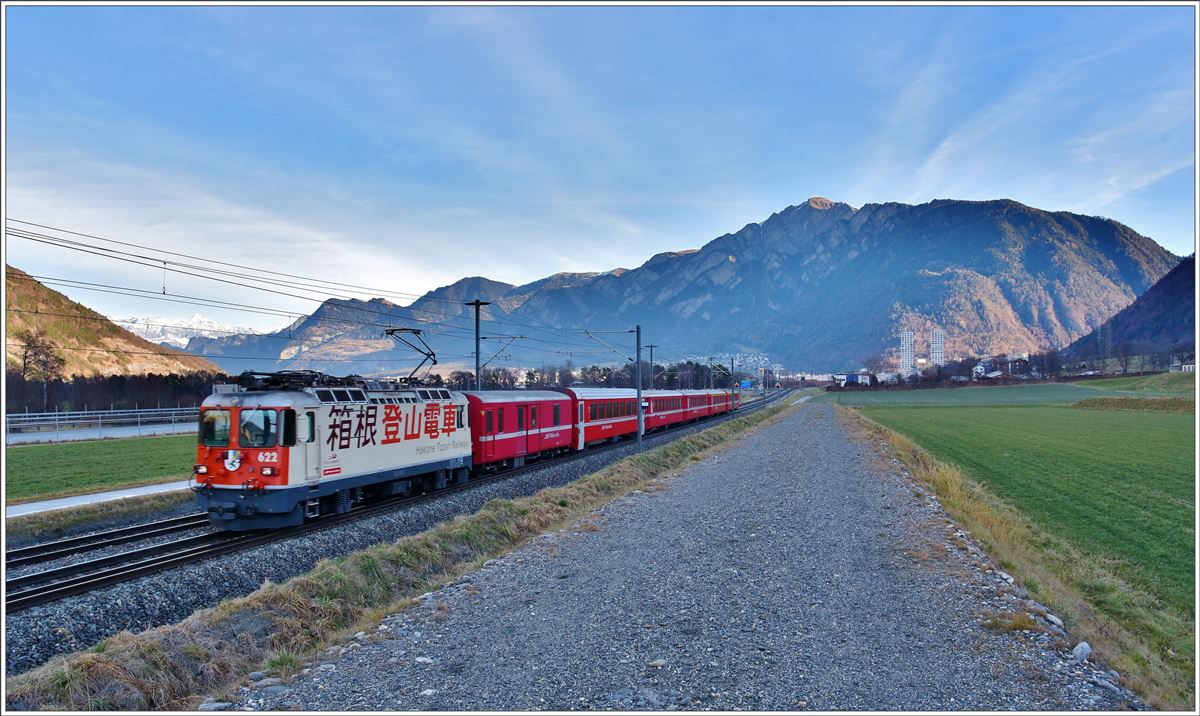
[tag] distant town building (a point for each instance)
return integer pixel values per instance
(908, 364)
(937, 347)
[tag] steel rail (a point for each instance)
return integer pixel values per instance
(57, 549)
(193, 550)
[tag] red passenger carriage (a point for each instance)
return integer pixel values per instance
(510, 426)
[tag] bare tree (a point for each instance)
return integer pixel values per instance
(1124, 353)
(461, 380)
(874, 363)
(1184, 350)
(39, 360)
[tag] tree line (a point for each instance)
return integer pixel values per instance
(35, 382)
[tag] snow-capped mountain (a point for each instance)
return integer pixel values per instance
(176, 332)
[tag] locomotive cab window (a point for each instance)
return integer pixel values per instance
(214, 428)
(325, 396)
(256, 428)
(342, 396)
(288, 433)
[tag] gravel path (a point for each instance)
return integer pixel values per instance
(798, 569)
(35, 635)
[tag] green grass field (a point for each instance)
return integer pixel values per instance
(1118, 484)
(1178, 384)
(40, 472)
(1036, 394)
(1162, 385)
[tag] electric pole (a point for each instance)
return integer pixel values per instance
(477, 303)
(640, 413)
(651, 347)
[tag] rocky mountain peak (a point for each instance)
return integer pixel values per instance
(820, 202)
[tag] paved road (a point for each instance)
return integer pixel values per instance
(796, 570)
(44, 505)
(74, 435)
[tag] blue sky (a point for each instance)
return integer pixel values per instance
(408, 147)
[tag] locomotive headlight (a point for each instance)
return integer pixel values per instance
(201, 469)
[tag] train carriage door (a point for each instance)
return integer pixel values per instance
(306, 435)
(522, 440)
(488, 438)
(579, 425)
(535, 436)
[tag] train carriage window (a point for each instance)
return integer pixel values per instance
(288, 437)
(500, 421)
(521, 418)
(341, 396)
(459, 410)
(325, 396)
(556, 414)
(256, 427)
(488, 419)
(592, 411)
(532, 417)
(214, 428)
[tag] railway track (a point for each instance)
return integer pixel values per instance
(57, 549)
(47, 586)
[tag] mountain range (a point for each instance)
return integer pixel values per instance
(89, 343)
(176, 332)
(818, 286)
(1160, 319)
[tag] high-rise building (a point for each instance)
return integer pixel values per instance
(937, 347)
(908, 364)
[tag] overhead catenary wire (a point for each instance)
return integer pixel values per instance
(316, 299)
(180, 267)
(346, 288)
(226, 305)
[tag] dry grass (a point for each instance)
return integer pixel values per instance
(53, 524)
(1155, 405)
(1011, 621)
(171, 667)
(1152, 646)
